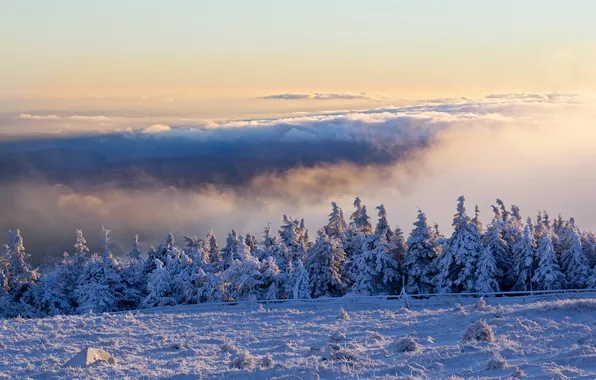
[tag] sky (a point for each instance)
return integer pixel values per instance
(231, 49)
(223, 114)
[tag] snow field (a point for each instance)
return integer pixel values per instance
(543, 339)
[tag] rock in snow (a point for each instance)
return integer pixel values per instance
(88, 356)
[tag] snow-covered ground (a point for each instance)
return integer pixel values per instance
(546, 338)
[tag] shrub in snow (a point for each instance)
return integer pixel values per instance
(267, 361)
(496, 362)
(375, 336)
(228, 347)
(337, 336)
(345, 355)
(479, 331)
(517, 374)
(405, 344)
(460, 310)
(480, 305)
(343, 315)
(244, 360)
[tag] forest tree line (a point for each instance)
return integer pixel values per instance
(352, 256)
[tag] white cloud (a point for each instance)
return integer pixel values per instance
(324, 96)
(90, 118)
(28, 116)
(156, 128)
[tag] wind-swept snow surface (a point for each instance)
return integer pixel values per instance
(546, 338)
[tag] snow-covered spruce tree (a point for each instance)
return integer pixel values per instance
(134, 256)
(52, 292)
(271, 287)
(211, 288)
(229, 252)
(292, 234)
(360, 221)
(337, 224)
(458, 262)
(374, 270)
(20, 278)
(301, 287)
(212, 247)
(548, 275)
(512, 232)
(150, 262)
(538, 227)
(194, 248)
(487, 272)
(244, 275)
(382, 229)
(251, 242)
(133, 279)
(100, 287)
(524, 254)
(20, 273)
(398, 247)
(79, 259)
(181, 270)
(278, 251)
(497, 247)
(589, 246)
(419, 260)
(560, 237)
(325, 266)
(159, 287)
(574, 263)
(354, 236)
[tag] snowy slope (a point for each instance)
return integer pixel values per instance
(546, 338)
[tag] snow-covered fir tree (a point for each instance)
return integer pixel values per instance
(575, 265)
(52, 293)
(79, 258)
(159, 287)
(213, 248)
(292, 235)
(360, 221)
(524, 254)
(134, 255)
(458, 262)
(325, 266)
(588, 239)
(100, 287)
(251, 242)
(487, 272)
(548, 275)
(337, 224)
(270, 273)
(419, 260)
(398, 247)
(374, 270)
(497, 247)
(229, 252)
(244, 275)
(19, 271)
(382, 229)
(300, 281)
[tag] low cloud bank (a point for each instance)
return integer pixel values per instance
(241, 173)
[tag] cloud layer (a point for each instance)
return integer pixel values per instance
(185, 177)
